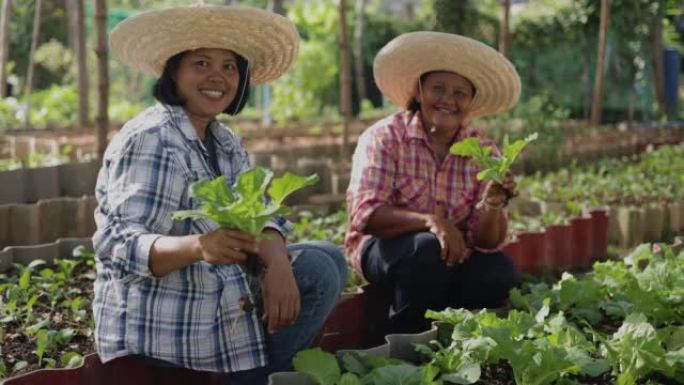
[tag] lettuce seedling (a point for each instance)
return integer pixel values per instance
(492, 168)
(243, 206)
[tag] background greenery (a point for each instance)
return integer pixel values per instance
(553, 45)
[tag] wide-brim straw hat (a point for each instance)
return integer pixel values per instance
(268, 41)
(400, 63)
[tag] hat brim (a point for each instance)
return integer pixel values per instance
(403, 60)
(268, 41)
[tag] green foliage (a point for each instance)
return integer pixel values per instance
(491, 168)
(242, 206)
(56, 106)
(312, 83)
(9, 113)
(323, 369)
(321, 366)
(34, 296)
(52, 26)
(475, 18)
(657, 176)
(55, 58)
(121, 110)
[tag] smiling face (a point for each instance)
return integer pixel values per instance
(446, 99)
(207, 79)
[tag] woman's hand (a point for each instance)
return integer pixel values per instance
(496, 195)
(281, 296)
(449, 237)
(224, 247)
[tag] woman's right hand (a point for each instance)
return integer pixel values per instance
(449, 237)
(224, 247)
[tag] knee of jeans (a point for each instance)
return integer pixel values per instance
(336, 254)
(505, 276)
(426, 243)
(319, 271)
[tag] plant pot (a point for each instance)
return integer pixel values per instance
(533, 245)
(559, 247)
(119, 371)
(630, 221)
(513, 248)
(653, 222)
(400, 346)
(601, 218)
(675, 218)
(343, 327)
(359, 320)
(583, 240)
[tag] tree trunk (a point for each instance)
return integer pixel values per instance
(656, 37)
(4, 45)
(102, 75)
(597, 99)
(358, 49)
(82, 69)
(504, 33)
(29, 73)
(276, 6)
(265, 91)
(345, 82)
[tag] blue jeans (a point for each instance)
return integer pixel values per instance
(320, 271)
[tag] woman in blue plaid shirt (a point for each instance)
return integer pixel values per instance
(175, 292)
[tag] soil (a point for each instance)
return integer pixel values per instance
(17, 346)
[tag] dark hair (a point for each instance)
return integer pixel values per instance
(414, 105)
(166, 91)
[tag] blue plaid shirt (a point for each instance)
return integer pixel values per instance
(192, 317)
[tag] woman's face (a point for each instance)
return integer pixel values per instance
(207, 79)
(446, 99)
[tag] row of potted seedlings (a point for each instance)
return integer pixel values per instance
(645, 195)
(557, 242)
(620, 323)
(567, 242)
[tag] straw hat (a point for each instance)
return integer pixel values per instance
(268, 41)
(400, 63)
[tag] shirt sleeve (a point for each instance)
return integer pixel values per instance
(142, 187)
(372, 177)
(474, 215)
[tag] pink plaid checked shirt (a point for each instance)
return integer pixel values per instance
(393, 164)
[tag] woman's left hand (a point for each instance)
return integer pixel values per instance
(281, 296)
(496, 195)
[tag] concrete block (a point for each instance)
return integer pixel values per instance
(12, 183)
(5, 225)
(50, 219)
(25, 254)
(86, 216)
(24, 224)
(6, 260)
(78, 179)
(66, 246)
(41, 183)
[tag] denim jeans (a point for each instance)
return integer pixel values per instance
(411, 269)
(320, 270)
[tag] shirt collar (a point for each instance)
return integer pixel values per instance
(182, 121)
(414, 125)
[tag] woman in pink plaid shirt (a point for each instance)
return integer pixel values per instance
(420, 223)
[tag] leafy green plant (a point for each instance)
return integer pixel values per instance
(322, 367)
(492, 168)
(243, 206)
